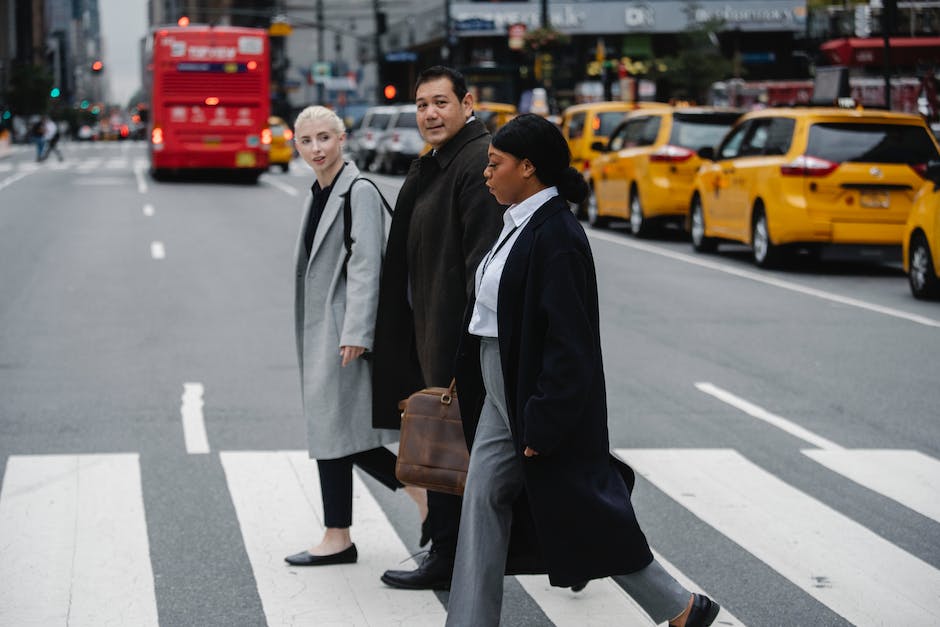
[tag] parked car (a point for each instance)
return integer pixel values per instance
(402, 142)
(921, 243)
(644, 172)
(811, 177)
(584, 125)
(370, 132)
(282, 147)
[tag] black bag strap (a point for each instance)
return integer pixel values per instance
(347, 213)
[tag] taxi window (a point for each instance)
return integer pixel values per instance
(870, 143)
(650, 130)
(619, 138)
(731, 146)
(607, 121)
(576, 125)
(696, 131)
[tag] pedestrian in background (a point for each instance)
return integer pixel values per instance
(37, 134)
(443, 223)
(532, 396)
(334, 309)
(51, 139)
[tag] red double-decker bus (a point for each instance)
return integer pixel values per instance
(209, 100)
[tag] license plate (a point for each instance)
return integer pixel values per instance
(875, 200)
(245, 159)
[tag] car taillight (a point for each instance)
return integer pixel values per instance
(671, 154)
(266, 137)
(920, 168)
(804, 165)
(396, 137)
(156, 135)
(288, 134)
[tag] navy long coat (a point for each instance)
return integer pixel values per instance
(575, 517)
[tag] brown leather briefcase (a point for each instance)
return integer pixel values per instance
(432, 451)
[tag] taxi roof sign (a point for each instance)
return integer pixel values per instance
(280, 29)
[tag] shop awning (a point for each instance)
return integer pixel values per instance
(905, 51)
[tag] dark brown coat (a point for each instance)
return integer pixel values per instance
(445, 220)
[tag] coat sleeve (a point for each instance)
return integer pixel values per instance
(569, 352)
(364, 267)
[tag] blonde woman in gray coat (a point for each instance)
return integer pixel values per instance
(334, 309)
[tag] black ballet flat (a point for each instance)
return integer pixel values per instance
(305, 558)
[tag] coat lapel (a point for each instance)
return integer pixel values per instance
(333, 206)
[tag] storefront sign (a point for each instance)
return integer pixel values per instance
(667, 16)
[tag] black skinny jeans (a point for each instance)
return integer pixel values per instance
(336, 482)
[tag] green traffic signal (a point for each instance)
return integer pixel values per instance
(54, 92)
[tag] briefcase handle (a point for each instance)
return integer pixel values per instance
(448, 395)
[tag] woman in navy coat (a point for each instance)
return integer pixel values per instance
(530, 383)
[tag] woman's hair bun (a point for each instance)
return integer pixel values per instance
(572, 186)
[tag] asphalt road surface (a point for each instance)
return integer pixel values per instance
(784, 425)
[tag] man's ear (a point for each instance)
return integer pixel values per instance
(467, 104)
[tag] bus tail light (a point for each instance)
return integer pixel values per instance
(266, 137)
(156, 137)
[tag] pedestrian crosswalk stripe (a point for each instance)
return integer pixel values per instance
(845, 566)
(603, 602)
(89, 165)
(73, 542)
(277, 500)
(908, 477)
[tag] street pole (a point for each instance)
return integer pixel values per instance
(888, 14)
(320, 53)
(378, 52)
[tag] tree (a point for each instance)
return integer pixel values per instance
(698, 63)
(29, 89)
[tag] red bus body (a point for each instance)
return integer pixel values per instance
(209, 99)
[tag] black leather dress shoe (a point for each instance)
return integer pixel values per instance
(434, 573)
(703, 611)
(578, 587)
(305, 558)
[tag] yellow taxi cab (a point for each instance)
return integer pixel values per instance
(282, 148)
(494, 114)
(644, 172)
(793, 178)
(921, 243)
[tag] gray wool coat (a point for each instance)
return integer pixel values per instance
(334, 308)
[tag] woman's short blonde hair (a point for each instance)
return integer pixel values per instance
(316, 113)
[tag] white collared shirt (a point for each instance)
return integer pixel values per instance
(490, 270)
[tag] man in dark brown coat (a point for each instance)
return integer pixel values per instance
(445, 220)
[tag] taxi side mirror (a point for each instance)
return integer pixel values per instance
(707, 152)
(599, 146)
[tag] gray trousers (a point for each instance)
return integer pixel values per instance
(494, 481)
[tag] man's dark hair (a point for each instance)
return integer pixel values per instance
(435, 72)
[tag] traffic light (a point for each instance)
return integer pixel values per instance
(183, 21)
(54, 92)
(97, 66)
(390, 92)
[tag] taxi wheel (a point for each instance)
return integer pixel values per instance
(921, 274)
(285, 167)
(638, 223)
(595, 220)
(700, 242)
(766, 254)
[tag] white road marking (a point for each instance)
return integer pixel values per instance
(148, 210)
(157, 250)
(277, 500)
(89, 165)
(281, 185)
(13, 179)
(74, 548)
(141, 179)
(99, 180)
(856, 573)
(762, 414)
(604, 602)
(909, 477)
(194, 424)
(767, 280)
